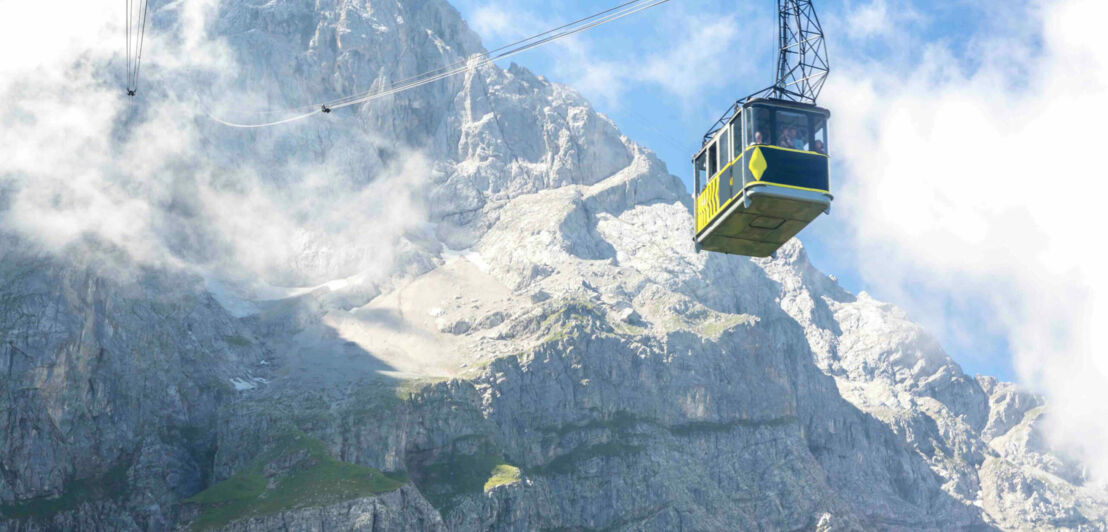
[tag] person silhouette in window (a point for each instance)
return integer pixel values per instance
(798, 139)
(757, 139)
(820, 148)
(785, 139)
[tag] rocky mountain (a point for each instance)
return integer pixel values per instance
(541, 348)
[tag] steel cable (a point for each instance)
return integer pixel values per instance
(473, 63)
(134, 40)
(507, 46)
(144, 8)
(482, 62)
(128, 28)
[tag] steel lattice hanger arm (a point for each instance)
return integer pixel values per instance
(802, 64)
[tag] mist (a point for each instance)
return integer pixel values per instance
(154, 178)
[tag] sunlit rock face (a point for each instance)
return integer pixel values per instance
(544, 349)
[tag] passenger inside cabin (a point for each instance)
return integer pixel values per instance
(798, 139)
(757, 138)
(819, 147)
(785, 138)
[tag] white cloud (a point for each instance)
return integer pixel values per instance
(669, 47)
(869, 20)
(494, 22)
(170, 189)
(877, 19)
(989, 185)
(707, 57)
(32, 34)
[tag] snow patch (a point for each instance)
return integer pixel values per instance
(468, 254)
(477, 261)
(241, 385)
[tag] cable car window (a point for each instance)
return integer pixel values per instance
(712, 158)
(724, 147)
(736, 138)
(792, 130)
(758, 122)
(700, 169)
(819, 141)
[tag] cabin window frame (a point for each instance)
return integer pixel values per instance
(814, 116)
(699, 170)
(736, 127)
(724, 150)
(713, 158)
(756, 117)
(819, 118)
(792, 116)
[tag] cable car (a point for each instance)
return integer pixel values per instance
(761, 176)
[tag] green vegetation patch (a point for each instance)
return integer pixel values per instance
(577, 313)
(457, 474)
(724, 323)
(708, 427)
(297, 473)
(239, 341)
(567, 463)
(76, 492)
(687, 315)
(620, 421)
(406, 389)
(503, 475)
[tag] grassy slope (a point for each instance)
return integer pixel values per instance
(502, 475)
(317, 479)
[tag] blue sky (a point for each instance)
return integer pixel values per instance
(665, 75)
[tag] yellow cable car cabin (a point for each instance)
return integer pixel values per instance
(761, 177)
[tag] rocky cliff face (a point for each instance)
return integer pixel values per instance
(547, 351)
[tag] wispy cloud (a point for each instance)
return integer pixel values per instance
(869, 19)
(981, 183)
(497, 23)
(878, 19)
(701, 49)
(156, 180)
(706, 57)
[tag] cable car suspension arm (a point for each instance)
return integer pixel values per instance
(802, 64)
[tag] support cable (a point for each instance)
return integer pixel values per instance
(135, 42)
(487, 59)
(470, 64)
(326, 109)
(128, 28)
(142, 35)
(511, 45)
